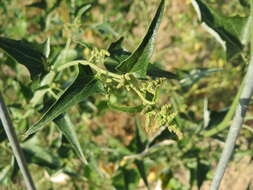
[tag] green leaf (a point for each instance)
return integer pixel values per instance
(4, 172)
(40, 156)
(81, 11)
(26, 54)
(188, 78)
(142, 170)
(65, 125)
(2, 132)
(138, 62)
(138, 145)
(106, 29)
(245, 3)
(41, 4)
(201, 173)
(125, 179)
(83, 86)
(155, 71)
(230, 32)
(161, 135)
(139, 142)
(117, 55)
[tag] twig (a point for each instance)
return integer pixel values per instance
(238, 118)
(18, 153)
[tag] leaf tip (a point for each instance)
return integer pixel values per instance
(196, 7)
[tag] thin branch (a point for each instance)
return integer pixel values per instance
(18, 153)
(238, 119)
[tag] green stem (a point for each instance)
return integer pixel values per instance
(17, 151)
(93, 66)
(144, 100)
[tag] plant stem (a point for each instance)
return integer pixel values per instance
(18, 153)
(144, 100)
(238, 118)
(93, 66)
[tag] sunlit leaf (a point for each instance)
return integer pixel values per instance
(138, 62)
(118, 54)
(230, 32)
(83, 86)
(26, 54)
(4, 173)
(188, 78)
(84, 9)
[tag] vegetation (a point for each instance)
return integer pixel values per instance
(123, 95)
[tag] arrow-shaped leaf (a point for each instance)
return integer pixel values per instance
(65, 125)
(138, 62)
(26, 54)
(230, 32)
(155, 72)
(117, 55)
(83, 86)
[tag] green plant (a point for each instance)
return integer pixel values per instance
(124, 71)
(233, 33)
(165, 128)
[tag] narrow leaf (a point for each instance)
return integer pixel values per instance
(141, 168)
(40, 156)
(139, 60)
(117, 55)
(26, 54)
(65, 125)
(228, 31)
(83, 86)
(155, 71)
(2, 133)
(41, 4)
(141, 142)
(125, 179)
(4, 172)
(161, 135)
(188, 78)
(106, 29)
(82, 11)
